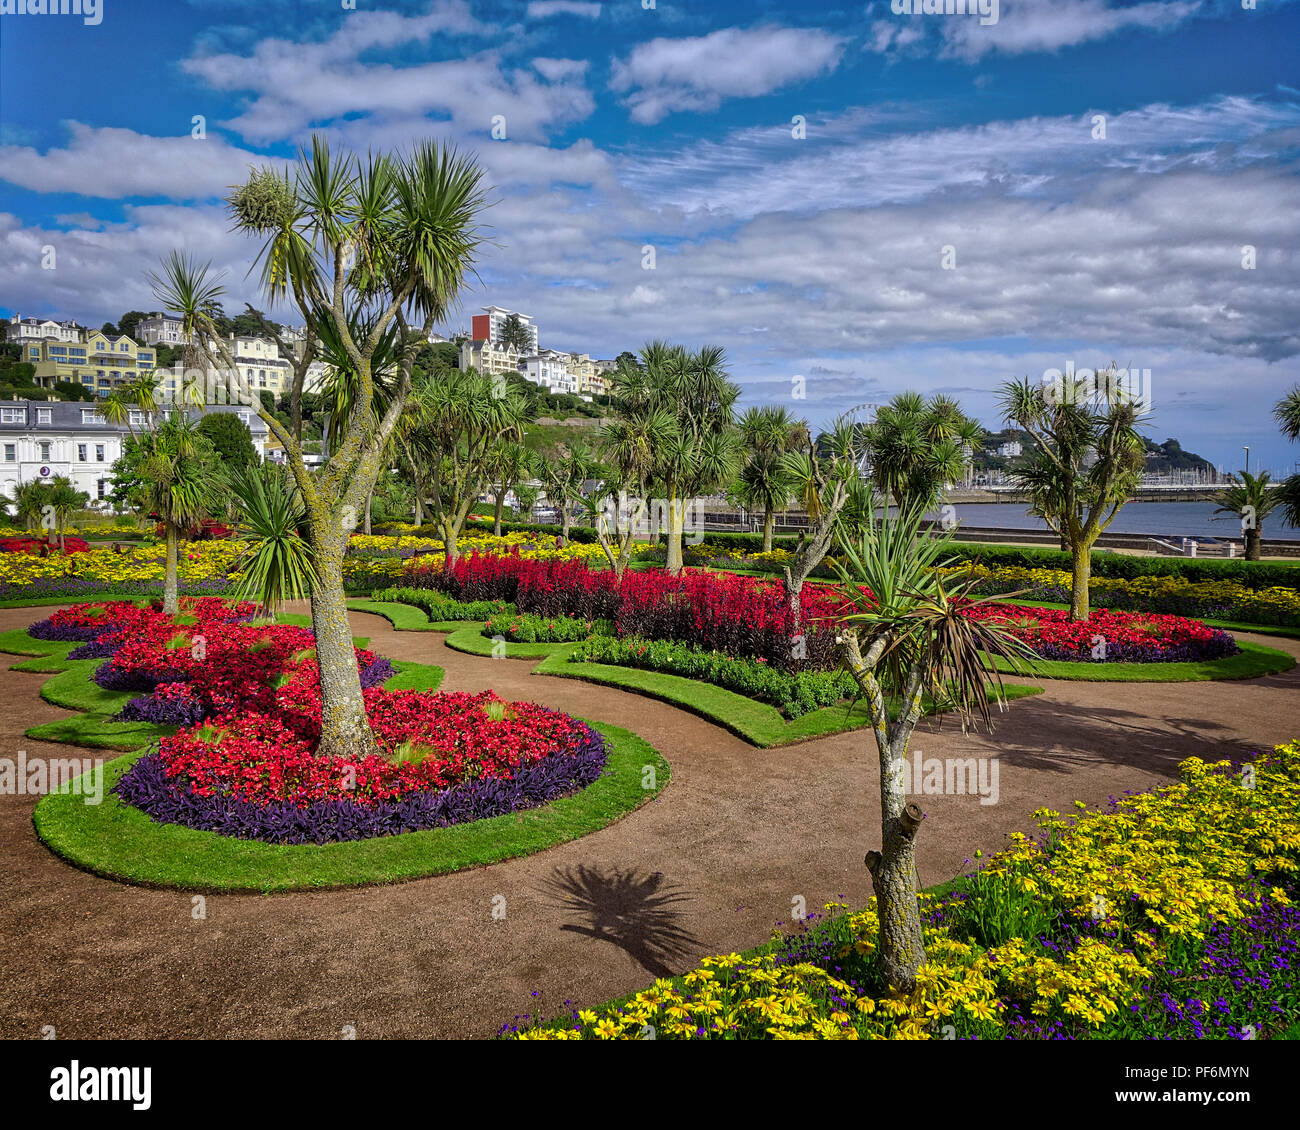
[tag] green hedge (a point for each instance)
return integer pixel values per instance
(1251, 574)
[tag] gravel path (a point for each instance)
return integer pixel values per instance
(709, 866)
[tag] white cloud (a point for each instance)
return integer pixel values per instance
(297, 85)
(666, 76)
(115, 163)
(866, 158)
(544, 9)
(1023, 26)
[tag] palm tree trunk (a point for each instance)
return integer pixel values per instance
(893, 868)
(566, 520)
(676, 516)
(369, 499)
(769, 522)
(1079, 606)
(171, 600)
(1253, 544)
(500, 506)
(450, 551)
(419, 510)
(345, 728)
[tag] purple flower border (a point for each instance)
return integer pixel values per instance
(170, 800)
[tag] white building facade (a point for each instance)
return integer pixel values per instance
(39, 440)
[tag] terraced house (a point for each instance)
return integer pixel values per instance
(100, 363)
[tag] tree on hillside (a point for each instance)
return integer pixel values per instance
(1252, 498)
(765, 482)
(515, 335)
(396, 237)
(129, 322)
(72, 390)
(1087, 462)
(230, 439)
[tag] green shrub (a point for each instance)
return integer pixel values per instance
(526, 628)
(793, 694)
(440, 607)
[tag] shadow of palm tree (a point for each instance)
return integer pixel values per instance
(637, 913)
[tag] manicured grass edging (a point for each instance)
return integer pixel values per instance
(117, 841)
(1253, 661)
(73, 688)
(758, 723)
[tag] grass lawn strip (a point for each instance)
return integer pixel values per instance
(73, 688)
(120, 842)
(1254, 661)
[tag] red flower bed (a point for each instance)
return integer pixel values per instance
(42, 546)
(258, 686)
(1109, 636)
(741, 616)
(447, 739)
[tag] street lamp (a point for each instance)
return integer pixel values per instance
(1246, 449)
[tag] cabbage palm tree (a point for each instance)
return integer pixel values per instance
(906, 643)
(508, 464)
(628, 444)
(395, 236)
(65, 499)
(29, 500)
(917, 446)
(1253, 498)
(1287, 414)
(460, 419)
(701, 449)
(765, 483)
(1086, 463)
(276, 561)
(178, 486)
(562, 478)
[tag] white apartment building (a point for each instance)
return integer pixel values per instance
(161, 329)
(1011, 449)
(550, 369)
(39, 440)
(23, 330)
(489, 325)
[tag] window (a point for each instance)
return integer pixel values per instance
(81, 452)
(138, 418)
(102, 488)
(91, 416)
(13, 415)
(44, 415)
(45, 450)
(11, 453)
(99, 453)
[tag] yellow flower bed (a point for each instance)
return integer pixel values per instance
(1277, 605)
(1157, 871)
(196, 561)
(535, 546)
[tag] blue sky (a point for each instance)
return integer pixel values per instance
(820, 256)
